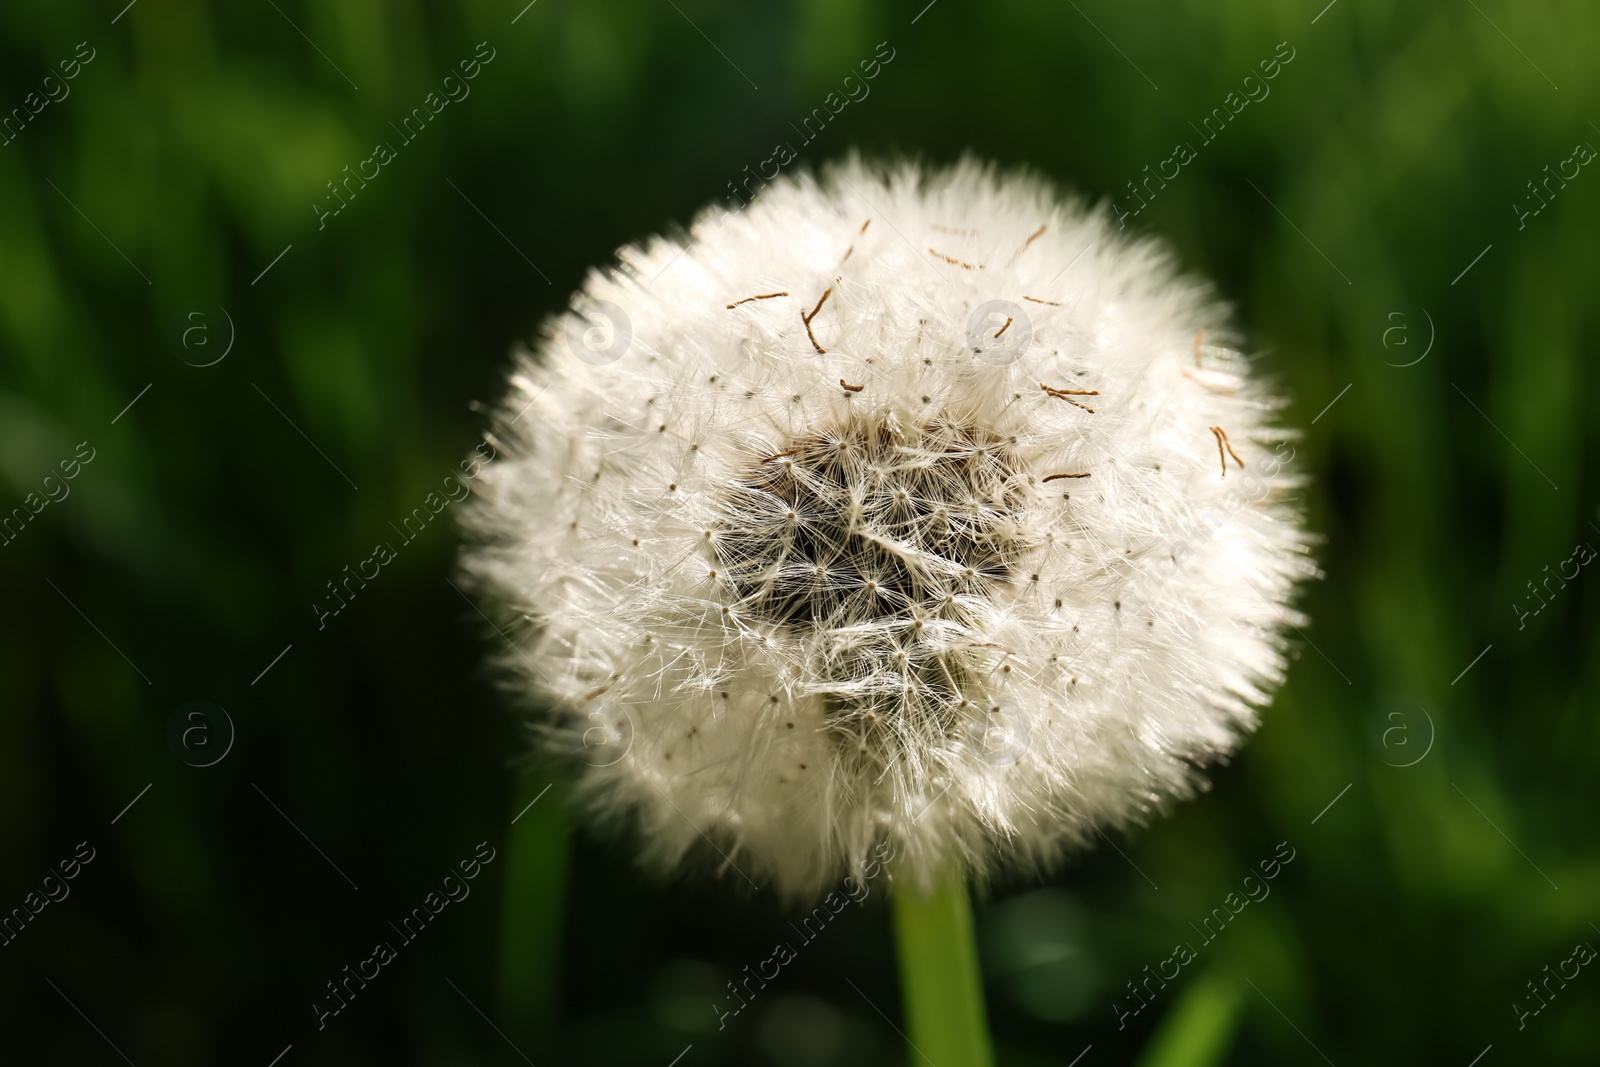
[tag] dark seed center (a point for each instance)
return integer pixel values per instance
(864, 524)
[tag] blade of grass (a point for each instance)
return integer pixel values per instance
(1199, 1029)
(533, 911)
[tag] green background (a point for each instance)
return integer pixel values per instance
(188, 155)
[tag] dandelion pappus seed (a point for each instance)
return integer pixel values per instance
(807, 320)
(891, 571)
(953, 261)
(1222, 442)
(1068, 394)
(1032, 237)
(758, 296)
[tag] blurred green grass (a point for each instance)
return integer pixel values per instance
(187, 156)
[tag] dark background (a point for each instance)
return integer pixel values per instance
(1348, 203)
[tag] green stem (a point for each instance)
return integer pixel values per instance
(939, 976)
(535, 878)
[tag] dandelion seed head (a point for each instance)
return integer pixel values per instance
(891, 518)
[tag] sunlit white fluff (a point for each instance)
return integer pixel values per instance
(889, 509)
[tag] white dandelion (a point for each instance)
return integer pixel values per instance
(913, 507)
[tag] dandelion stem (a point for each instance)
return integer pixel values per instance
(939, 977)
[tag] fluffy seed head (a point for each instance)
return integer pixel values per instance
(905, 506)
